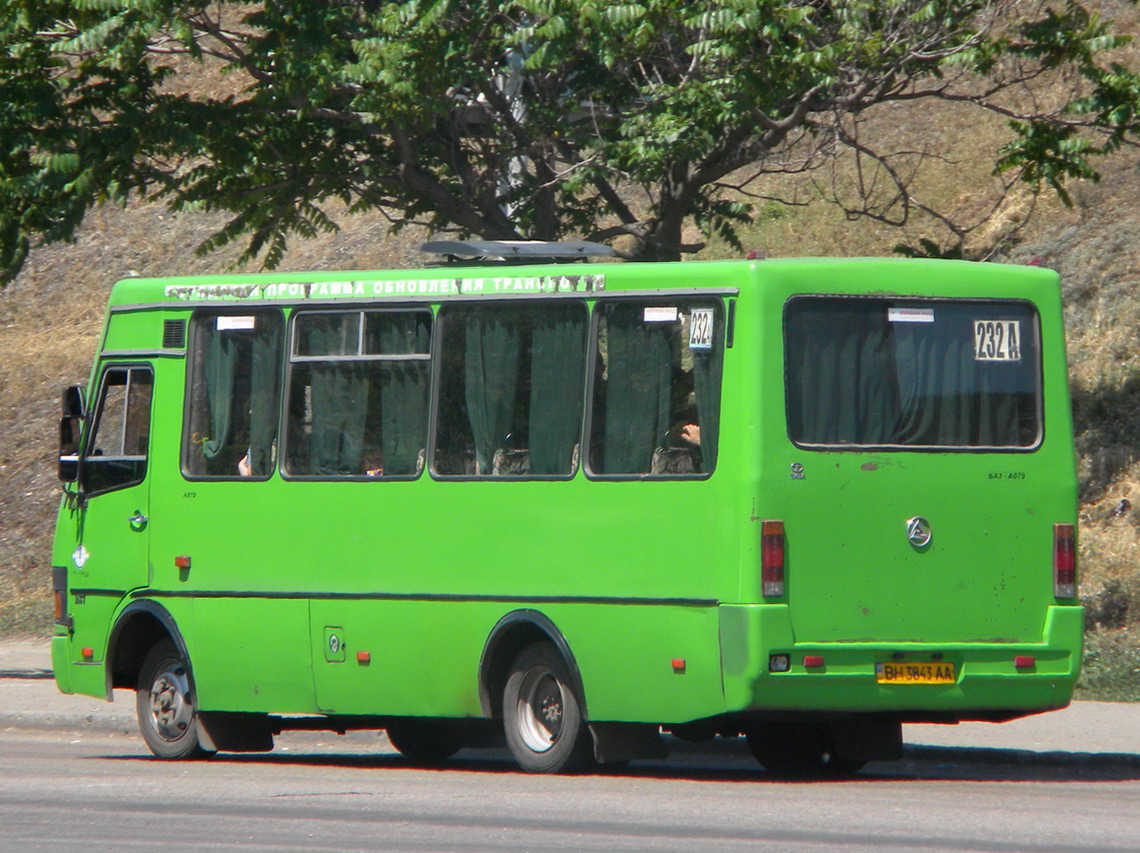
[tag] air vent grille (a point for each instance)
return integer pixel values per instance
(174, 334)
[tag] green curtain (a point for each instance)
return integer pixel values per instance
(221, 360)
(949, 398)
(339, 395)
(403, 392)
(557, 368)
(1000, 416)
(922, 372)
(265, 373)
(491, 380)
(637, 389)
(841, 375)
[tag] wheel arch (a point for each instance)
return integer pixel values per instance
(511, 634)
(140, 625)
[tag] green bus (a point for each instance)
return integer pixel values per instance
(576, 505)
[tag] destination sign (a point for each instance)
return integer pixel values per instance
(366, 288)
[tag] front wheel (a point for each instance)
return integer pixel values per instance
(542, 715)
(165, 704)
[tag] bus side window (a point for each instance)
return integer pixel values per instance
(657, 378)
(511, 389)
(358, 393)
(117, 447)
(233, 381)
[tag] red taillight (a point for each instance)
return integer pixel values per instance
(1064, 561)
(772, 558)
(59, 594)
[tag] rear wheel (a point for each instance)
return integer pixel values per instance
(165, 704)
(799, 749)
(542, 715)
(425, 741)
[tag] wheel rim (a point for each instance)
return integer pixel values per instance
(540, 709)
(171, 709)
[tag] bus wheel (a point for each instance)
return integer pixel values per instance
(798, 749)
(165, 705)
(424, 741)
(542, 718)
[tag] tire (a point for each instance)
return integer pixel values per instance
(542, 715)
(425, 741)
(166, 707)
(799, 750)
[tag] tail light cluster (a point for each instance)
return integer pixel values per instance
(59, 595)
(1064, 561)
(772, 559)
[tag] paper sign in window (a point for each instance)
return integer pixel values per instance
(997, 340)
(910, 315)
(229, 324)
(660, 315)
(701, 328)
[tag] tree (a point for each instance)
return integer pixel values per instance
(536, 119)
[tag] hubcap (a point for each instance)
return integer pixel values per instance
(540, 709)
(170, 706)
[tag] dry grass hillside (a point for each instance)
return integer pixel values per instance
(50, 319)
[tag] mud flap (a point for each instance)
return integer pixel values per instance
(626, 741)
(226, 731)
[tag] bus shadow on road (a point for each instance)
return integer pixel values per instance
(731, 762)
(1015, 765)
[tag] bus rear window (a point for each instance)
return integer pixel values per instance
(887, 373)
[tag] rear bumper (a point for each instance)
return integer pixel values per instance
(988, 683)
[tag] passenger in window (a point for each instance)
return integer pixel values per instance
(373, 464)
(245, 465)
(682, 451)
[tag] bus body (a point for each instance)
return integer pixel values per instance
(800, 500)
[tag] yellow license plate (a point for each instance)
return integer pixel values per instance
(915, 672)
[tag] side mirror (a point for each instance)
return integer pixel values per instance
(73, 402)
(70, 430)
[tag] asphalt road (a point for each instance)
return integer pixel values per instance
(99, 790)
(75, 775)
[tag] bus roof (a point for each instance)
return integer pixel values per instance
(861, 275)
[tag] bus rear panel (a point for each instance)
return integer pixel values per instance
(922, 485)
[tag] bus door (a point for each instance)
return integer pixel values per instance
(111, 540)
